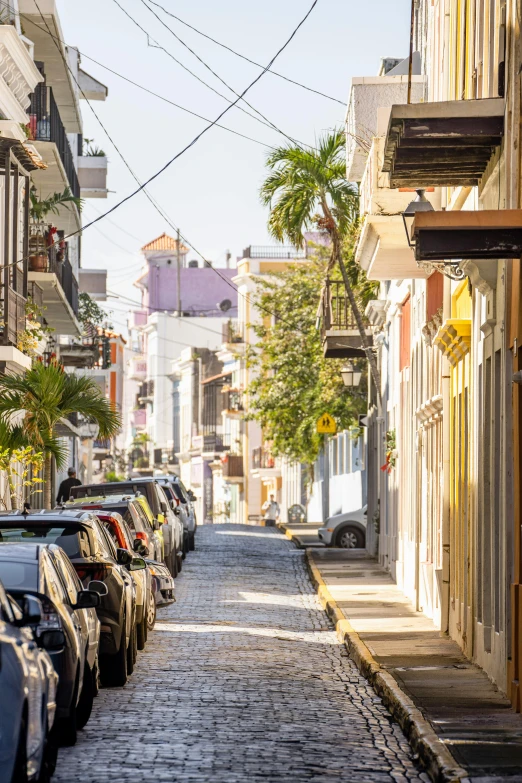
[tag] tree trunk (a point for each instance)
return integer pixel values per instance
(48, 475)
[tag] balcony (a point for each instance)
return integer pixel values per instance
(92, 175)
(48, 134)
(382, 250)
(80, 353)
(232, 403)
(339, 332)
(446, 143)
(264, 464)
(274, 251)
(232, 334)
(232, 465)
(51, 270)
(138, 368)
(139, 419)
(146, 392)
(212, 442)
(21, 76)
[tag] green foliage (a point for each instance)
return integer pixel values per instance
(111, 476)
(89, 312)
(40, 208)
(21, 464)
(90, 151)
(302, 182)
(293, 384)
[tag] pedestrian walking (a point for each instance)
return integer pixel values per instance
(66, 486)
(271, 509)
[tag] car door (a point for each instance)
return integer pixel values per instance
(84, 619)
(171, 519)
(130, 589)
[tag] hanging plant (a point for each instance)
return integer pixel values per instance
(391, 452)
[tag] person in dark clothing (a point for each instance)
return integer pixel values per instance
(66, 485)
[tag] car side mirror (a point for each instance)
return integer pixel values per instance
(191, 495)
(123, 557)
(164, 507)
(156, 524)
(87, 600)
(137, 564)
(172, 504)
(52, 641)
(98, 587)
(31, 610)
(140, 547)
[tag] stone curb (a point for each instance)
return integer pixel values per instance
(432, 752)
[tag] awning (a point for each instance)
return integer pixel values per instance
(217, 377)
(446, 143)
(27, 156)
(459, 236)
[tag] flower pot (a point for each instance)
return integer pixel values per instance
(38, 262)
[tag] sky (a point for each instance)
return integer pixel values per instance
(212, 191)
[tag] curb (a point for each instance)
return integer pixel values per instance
(433, 753)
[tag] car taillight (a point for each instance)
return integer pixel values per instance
(142, 536)
(177, 501)
(50, 618)
(88, 572)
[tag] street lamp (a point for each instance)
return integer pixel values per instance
(351, 376)
(420, 204)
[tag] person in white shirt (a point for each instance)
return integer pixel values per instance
(271, 509)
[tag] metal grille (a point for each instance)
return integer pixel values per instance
(337, 310)
(274, 251)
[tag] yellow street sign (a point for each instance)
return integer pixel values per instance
(326, 425)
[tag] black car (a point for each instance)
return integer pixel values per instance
(95, 558)
(68, 627)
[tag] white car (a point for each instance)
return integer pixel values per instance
(347, 531)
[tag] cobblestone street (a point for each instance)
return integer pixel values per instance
(242, 680)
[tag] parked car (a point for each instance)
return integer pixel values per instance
(28, 685)
(135, 511)
(95, 558)
(347, 531)
(171, 526)
(68, 628)
(162, 586)
(122, 537)
(183, 499)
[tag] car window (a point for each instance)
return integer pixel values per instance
(110, 529)
(162, 498)
(75, 579)
(145, 516)
(101, 546)
(74, 540)
(54, 587)
(107, 546)
(181, 491)
(18, 576)
(68, 584)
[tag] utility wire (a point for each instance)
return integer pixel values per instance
(242, 56)
(156, 45)
(182, 42)
(142, 87)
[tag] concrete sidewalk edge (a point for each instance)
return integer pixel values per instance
(433, 753)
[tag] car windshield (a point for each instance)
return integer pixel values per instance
(73, 540)
(18, 576)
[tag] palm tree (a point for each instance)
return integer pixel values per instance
(303, 182)
(45, 395)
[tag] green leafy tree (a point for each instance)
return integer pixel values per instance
(45, 394)
(41, 207)
(293, 384)
(307, 188)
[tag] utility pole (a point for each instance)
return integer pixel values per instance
(178, 258)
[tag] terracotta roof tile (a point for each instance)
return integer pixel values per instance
(164, 242)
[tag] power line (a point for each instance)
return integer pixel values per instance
(242, 56)
(200, 59)
(156, 45)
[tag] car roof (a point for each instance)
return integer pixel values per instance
(102, 500)
(20, 551)
(61, 515)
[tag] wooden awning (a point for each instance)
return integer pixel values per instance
(27, 157)
(447, 143)
(221, 376)
(459, 236)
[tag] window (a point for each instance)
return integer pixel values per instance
(434, 294)
(73, 540)
(18, 576)
(108, 545)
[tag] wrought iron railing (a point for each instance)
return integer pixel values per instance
(274, 251)
(233, 401)
(337, 310)
(232, 333)
(262, 458)
(45, 124)
(13, 321)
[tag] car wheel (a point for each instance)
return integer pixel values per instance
(172, 564)
(84, 708)
(151, 611)
(96, 676)
(49, 756)
(185, 545)
(141, 634)
(192, 541)
(179, 558)
(20, 766)
(113, 668)
(350, 538)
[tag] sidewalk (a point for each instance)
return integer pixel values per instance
(462, 727)
(302, 535)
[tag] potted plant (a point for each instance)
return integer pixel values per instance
(42, 234)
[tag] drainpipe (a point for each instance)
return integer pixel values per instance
(446, 468)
